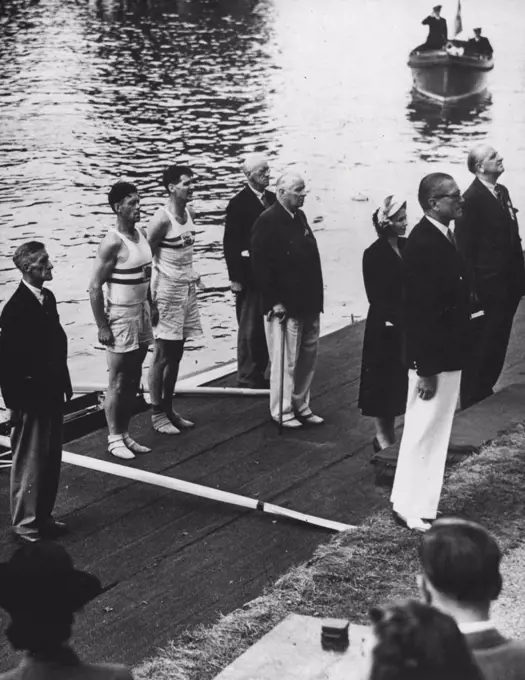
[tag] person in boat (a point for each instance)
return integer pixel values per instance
(35, 382)
(287, 271)
(123, 265)
(171, 235)
(384, 380)
(241, 213)
(437, 30)
(436, 314)
(461, 577)
(488, 237)
(479, 45)
(41, 591)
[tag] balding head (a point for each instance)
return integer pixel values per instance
(257, 171)
(485, 162)
(290, 189)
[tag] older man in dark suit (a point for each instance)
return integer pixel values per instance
(241, 213)
(488, 237)
(436, 318)
(461, 577)
(34, 380)
(287, 271)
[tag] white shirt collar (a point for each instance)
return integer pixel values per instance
(490, 187)
(37, 292)
(259, 194)
(476, 626)
(442, 228)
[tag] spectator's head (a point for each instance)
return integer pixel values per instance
(477, 32)
(257, 171)
(124, 200)
(41, 590)
(291, 191)
(178, 181)
(461, 568)
(414, 641)
(32, 260)
(437, 9)
(390, 219)
(440, 197)
(485, 162)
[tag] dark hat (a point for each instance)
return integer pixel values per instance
(437, 7)
(477, 30)
(41, 576)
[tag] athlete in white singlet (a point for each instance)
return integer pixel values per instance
(123, 266)
(171, 235)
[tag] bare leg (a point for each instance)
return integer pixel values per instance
(159, 362)
(174, 350)
(385, 431)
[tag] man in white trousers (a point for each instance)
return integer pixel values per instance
(287, 273)
(436, 317)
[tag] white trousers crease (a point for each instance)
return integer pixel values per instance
(424, 445)
(300, 357)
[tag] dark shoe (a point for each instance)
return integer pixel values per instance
(54, 529)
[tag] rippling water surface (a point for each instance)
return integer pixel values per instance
(92, 91)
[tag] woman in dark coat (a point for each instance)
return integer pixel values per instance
(384, 378)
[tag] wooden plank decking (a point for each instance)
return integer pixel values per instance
(178, 560)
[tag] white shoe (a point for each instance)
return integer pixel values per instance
(412, 523)
(291, 423)
(161, 423)
(180, 422)
(118, 449)
(311, 419)
(134, 446)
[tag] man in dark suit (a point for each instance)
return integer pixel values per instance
(437, 30)
(241, 213)
(436, 318)
(287, 271)
(479, 45)
(461, 577)
(488, 237)
(34, 380)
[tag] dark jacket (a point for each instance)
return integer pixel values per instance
(436, 302)
(33, 352)
(488, 238)
(241, 213)
(437, 32)
(498, 658)
(481, 46)
(286, 263)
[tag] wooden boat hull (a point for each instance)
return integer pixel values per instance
(448, 78)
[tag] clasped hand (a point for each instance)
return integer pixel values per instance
(426, 387)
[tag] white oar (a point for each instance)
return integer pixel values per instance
(84, 388)
(193, 489)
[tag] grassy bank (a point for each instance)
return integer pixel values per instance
(345, 576)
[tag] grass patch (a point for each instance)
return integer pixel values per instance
(375, 563)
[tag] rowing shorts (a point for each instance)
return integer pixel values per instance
(179, 314)
(130, 325)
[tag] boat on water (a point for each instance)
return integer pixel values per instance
(452, 73)
(447, 77)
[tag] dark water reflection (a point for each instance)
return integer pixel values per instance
(96, 90)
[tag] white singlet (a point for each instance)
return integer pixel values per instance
(129, 280)
(173, 261)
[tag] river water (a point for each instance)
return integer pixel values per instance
(92, 91)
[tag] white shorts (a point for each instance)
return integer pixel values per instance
(179, 314)
(130, 325)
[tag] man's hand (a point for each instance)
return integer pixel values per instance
(236, 287)
(105, 336)
(154, 313)
(426, 387)
(277, 310)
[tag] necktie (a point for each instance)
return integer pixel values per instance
(499, 195)
(264, 200)
(451, 238)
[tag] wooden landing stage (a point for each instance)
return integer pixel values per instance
(177, 560)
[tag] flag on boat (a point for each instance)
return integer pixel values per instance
(458, 24)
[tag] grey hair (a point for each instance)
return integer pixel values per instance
(476, 155)
(252, 161)
(287, 179)
(25, 253)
